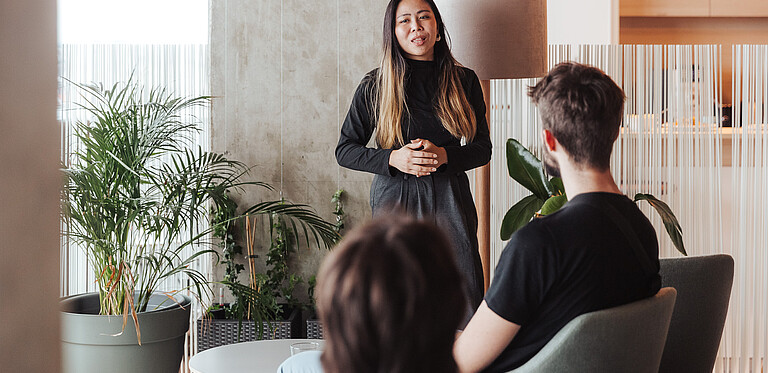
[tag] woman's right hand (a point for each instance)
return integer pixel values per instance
(410, 160)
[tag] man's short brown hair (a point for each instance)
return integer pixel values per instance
(582, 107)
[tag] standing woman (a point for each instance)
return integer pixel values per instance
(422, 104)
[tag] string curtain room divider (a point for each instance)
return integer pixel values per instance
(183, 70)
(672, 145)
(746, 330)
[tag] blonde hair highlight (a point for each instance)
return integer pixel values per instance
(453, 108)
(390, 104)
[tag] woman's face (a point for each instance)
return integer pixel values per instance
(416, 29)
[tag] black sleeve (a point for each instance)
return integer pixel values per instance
(478, 151)
(525, 273)
(356, 131)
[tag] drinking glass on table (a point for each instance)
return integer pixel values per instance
(300, 347)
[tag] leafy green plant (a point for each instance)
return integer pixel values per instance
(263, 298)
(311, 285)
(259, 302)
(223, 219)
(549, 195)
(338, 210)
(279, 279)
(252, 304)
(135, 195)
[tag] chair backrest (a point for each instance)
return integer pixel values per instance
(628, 338)
(703, 287)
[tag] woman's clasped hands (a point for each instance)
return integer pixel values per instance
(420, 158)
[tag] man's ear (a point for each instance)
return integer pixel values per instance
(549, 140)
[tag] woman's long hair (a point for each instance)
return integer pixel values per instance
(390, 298)
(452, 107)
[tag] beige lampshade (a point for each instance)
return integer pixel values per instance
(499, 39)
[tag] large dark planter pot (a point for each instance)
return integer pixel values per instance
(216, 332)
(90, 343)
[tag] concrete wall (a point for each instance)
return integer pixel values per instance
(283, 74)
(29, 190)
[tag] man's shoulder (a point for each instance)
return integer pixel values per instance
(590, 209)
(532, 239)
(543, 228)
(578, 218)
(587, 209)
(600, 198)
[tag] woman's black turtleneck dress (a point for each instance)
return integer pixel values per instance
(444, 196)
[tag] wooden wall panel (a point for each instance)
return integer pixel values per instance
(664, 8)
(694, 8)
(714, 30)
(739, 8)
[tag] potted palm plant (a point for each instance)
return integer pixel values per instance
(137, 200)
(549, 196)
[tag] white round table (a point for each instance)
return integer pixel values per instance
(251, 357)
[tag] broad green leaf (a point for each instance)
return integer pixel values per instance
(552, 204)
(668, 217)
(557, 185)
(526, 169)
(519, 215)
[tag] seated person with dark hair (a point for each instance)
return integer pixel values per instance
(390, 299)
(579, 259)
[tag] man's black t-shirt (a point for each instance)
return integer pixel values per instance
(566, 264)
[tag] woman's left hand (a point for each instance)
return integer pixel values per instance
(442, 156)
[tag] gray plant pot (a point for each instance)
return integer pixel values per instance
(90, 343)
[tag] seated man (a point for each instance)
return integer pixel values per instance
(598, 251)
(390, 299)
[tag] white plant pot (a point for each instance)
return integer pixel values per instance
(92, 343)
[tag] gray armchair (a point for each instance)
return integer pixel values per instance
(703, 287)
(628, 338)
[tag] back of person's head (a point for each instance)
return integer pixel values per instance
(390, 298)
(582, 107)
